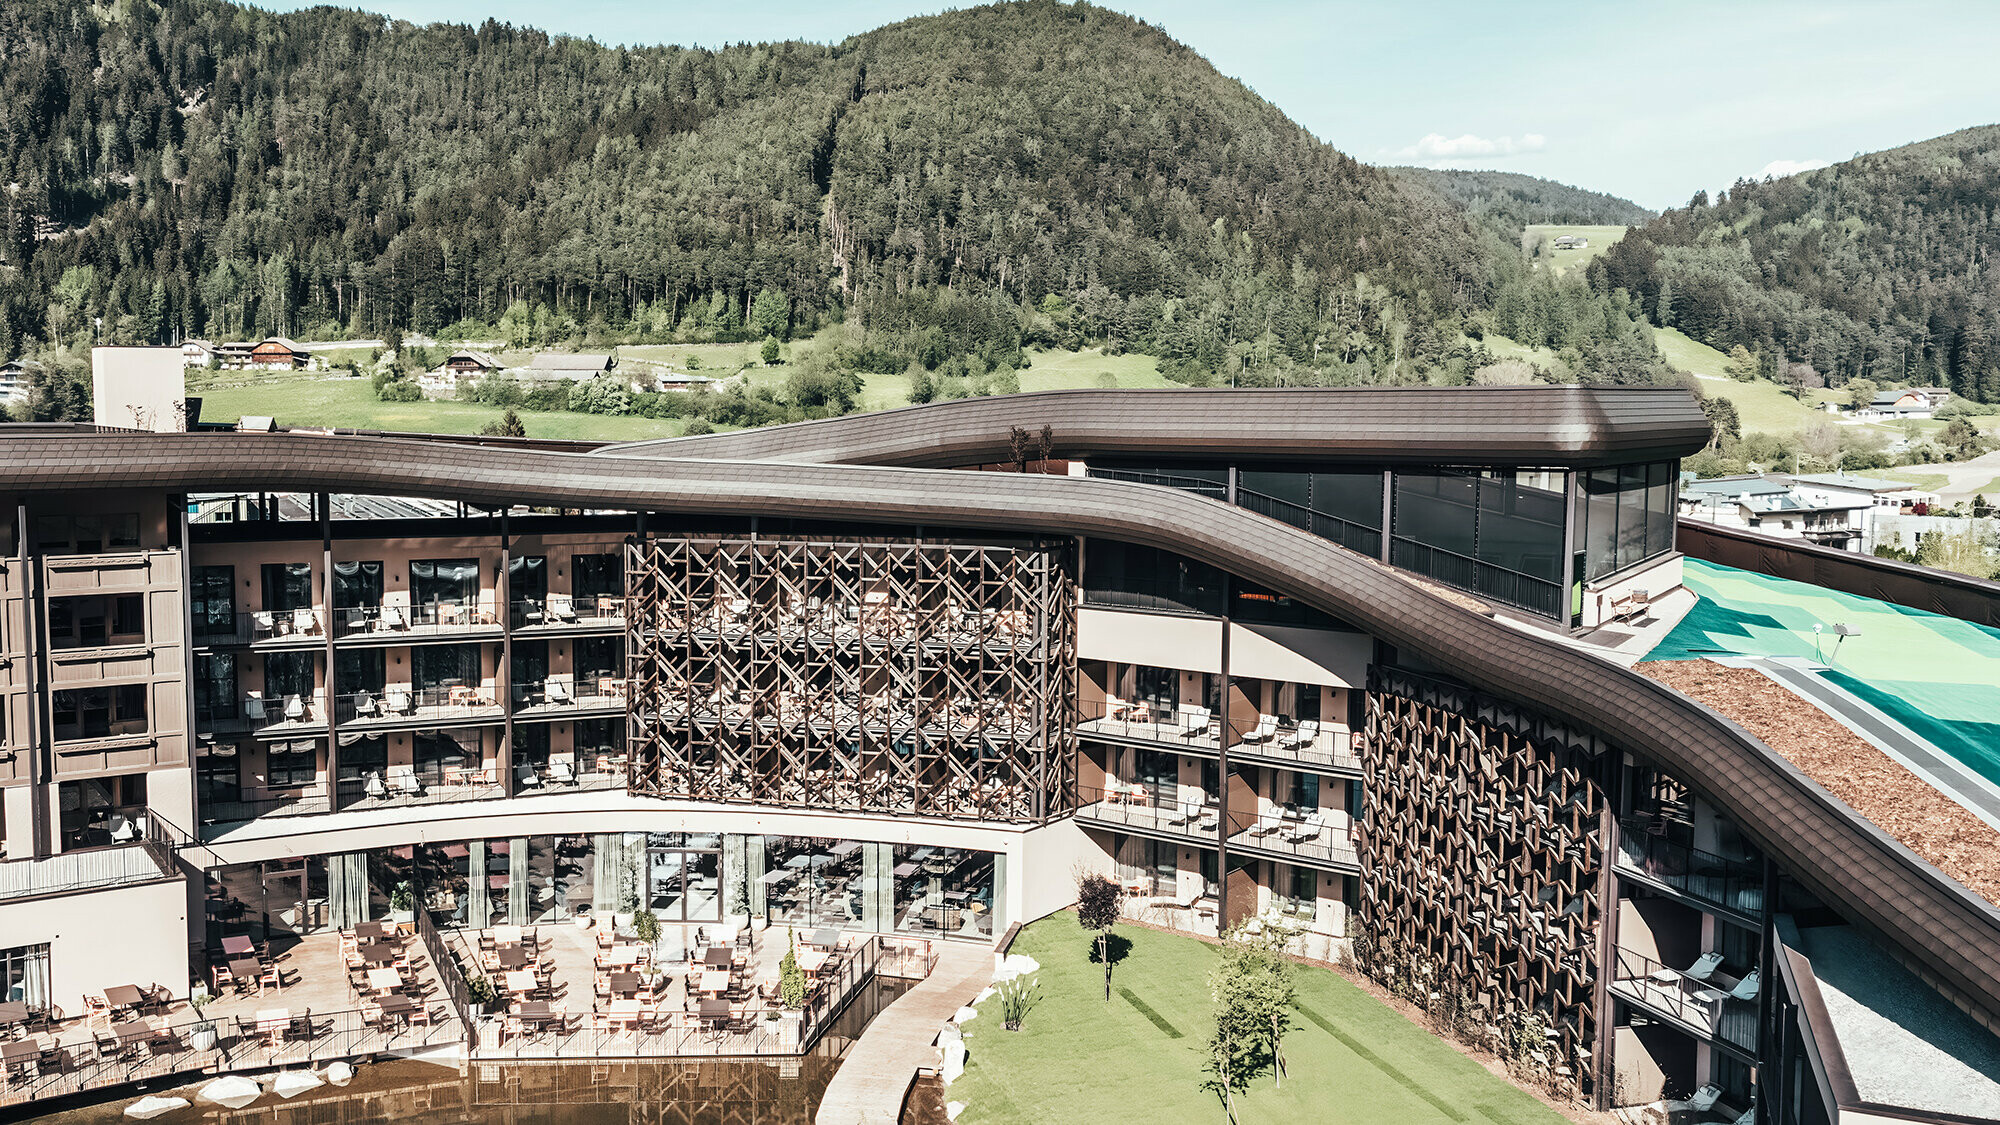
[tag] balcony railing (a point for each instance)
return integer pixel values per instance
(1150, 809)
(257, 712)
(147, 857)
(1267, 737)
(397, 705)
(1726, 1011)
(406, 786)
(569, 611)
(1508, 587)
(427, 619)
(1731, 884)
(1307, 834)
(563, 694)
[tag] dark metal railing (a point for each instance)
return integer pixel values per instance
(457, 993)
(1702, 1005)
(149, 856)
(1354, 536)
(1508, 587)
(1732, 884)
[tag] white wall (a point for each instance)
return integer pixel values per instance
(132, 935)
(139, 388)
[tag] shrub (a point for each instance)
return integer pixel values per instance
(791, 978)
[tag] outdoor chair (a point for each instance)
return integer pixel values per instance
(1267, 725)
(562, 607)
(1194, 721)
(295, 708)
(558, 692)
(266, 623)
(1704, 966)
(392, 618)
(1746, 989)
(303, 621)
(399, 702)
(1266, 825)
(1705, 1098)
(403, 782)
(253, 707)
(562, 772)
(1305, 735)
(365, 706)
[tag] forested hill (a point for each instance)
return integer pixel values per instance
(959, 182)
(1510, 201)
(1886, 267)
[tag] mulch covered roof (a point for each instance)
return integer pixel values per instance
(1853, 769)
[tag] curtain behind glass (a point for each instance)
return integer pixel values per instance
(597, 575)
(347, 889)
(357, 585)
(444, 580)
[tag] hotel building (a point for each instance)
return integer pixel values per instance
(1302, 658)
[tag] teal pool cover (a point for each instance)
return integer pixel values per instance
(1938, 676)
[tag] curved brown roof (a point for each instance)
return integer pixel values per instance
(1545, 425)
(1949, 935)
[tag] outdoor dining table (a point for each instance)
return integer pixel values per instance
(511, 957)
(713, 1012)
(385, 981)
(21, 1051)
(376, 952)
(811, 960)
(122, 997)
(366, 931)
(825, 938)
(13, 1012)
(522, 981)
(625, 1012)
(621, 956)
(131, 1033)
(624, 984)
(397, 1004)
(714, 980)
(719, 956)
(246, 969)
(238, 945)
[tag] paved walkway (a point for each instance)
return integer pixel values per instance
(873, 1080)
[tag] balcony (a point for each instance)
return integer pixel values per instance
(1295, 836)
(404, 787)
(266, 717)
(401, 624)
(399, 707)
(565, 697)
(1728, 884)
(1180, 813)
(875, 622)
(566, 614)
(1320, 747)
(1713, 1008)
(146, 855)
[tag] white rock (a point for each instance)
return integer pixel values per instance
(234, 1092)
(153, 1105)
(339, 1073)
(292, 1083)
(953, 1109)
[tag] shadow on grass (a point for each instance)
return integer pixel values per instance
(1117, 947)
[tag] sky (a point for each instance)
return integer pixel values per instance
(1650, 102)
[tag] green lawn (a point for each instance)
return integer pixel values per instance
(1929, 482)
(344, 402)
(1138, 1057)
(1563, 261)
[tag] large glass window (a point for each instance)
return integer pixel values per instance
(24, 976)
(362, 755)
(1521, 522)
(287, 586)
(96, 621)
(437, 667)
(292, 764)
(99, 712)
(1496, 533)
(1627, 516)
(944, 890)
(287, 674)
(597, 576)
(218, 775)
(359, 670)
(530, 667)
(103, 812)
(528, 578)
(215, 685)
(439, 754)
(436, 582)
(1123, 574)
(684, 876)
(357, 585)
(598, 657)
(213, 597)
(1345, 507)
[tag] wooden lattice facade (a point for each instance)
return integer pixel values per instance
(899, 676)
(1482, 855)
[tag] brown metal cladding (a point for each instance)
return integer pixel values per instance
(1947, 934)
(1547, 425)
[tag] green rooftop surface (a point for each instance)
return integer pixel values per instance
(1938, 676)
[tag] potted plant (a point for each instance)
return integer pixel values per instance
(480, 992)
(646, 927)
(628, 899)
(403, 904)
(202, 1036)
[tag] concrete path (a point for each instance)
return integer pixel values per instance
(873, 1080)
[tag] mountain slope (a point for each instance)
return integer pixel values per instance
(1508, 202)
(1880, 267)
(187, 167)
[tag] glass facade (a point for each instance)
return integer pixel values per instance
(1499, 533)
(1625, 515)
(799, 882)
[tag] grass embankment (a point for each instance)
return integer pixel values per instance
(340, 401)
(1079, 1058)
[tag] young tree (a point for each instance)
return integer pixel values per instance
(770, 314)
(1723, 417)
(770, 350)
(1742, 366)
(1861, 392)
(509, 425)
(1098, 901)
(1254, 996)
(1800, 378)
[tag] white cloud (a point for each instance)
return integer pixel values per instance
(1437, 146)
(1781, 168)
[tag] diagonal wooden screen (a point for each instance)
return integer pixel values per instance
(880, 675)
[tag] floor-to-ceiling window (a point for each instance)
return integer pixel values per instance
(684, 876)
(948, 891)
